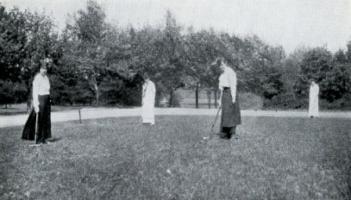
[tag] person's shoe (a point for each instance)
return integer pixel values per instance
(49, 141)
(224, 136)
(36, 144)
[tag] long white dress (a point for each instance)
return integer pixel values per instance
(148, 102)
(313, 107)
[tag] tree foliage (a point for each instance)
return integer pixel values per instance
(97, 62)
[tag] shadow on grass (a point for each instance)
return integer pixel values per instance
(54, 139)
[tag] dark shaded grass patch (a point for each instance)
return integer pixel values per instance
(273, 158)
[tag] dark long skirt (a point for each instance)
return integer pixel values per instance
(231, 116)
(44, 121)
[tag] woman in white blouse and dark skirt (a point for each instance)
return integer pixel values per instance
(229, 100)
(41, 107)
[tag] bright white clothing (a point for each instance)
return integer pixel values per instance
(228, 79)
(313, 107)
(41, 86)
(148, 102)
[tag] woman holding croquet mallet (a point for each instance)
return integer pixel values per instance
(38, 125)
(230, 116)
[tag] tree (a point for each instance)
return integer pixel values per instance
(333, 76)
(88, 36)
(348, 52)
(170, 62)
(336, 83)
(340, 57)
(41, 42)
(291, 67)
(11, 92)
(25, 39)
(12, 52)
(12, 43)
(262, 67)
(200, 51)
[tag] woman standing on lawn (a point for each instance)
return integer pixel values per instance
(228, 100)
(39, 119)
(148, 101)
(313, 107)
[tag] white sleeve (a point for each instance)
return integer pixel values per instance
(153, 88)
(143, 90)
(35, 92)
(233, 84)
(220, 81)
(310, 92)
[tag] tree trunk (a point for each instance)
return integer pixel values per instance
(216, 97)
(170, 103)
(97, 95)
(29, 105)
(209, 98)
(197, 96)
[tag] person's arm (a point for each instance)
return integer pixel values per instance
(35, 95)
(154, 92)
(220, 89)
(154, 88)
(233, 85)
(310, 93)
(220, 96)
(142, 94)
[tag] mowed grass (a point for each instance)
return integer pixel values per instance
(272, 158)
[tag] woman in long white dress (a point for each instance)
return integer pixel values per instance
(313, 107)
(148, 101)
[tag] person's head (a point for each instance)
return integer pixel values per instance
(146, 76)
(312, 82)
(220, 62)
(44, 66)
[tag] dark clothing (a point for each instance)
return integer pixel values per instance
(228, 132)
(231, 116)
(44, 121)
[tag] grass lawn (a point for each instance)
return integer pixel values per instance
(273, 158)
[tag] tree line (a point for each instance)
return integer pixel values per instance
(95, 62)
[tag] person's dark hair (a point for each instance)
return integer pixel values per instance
(311, 80)
(218, 61)
(45, 63)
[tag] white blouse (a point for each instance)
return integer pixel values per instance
(228, 79)
(41, 86)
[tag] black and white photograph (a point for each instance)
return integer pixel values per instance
(175, 99)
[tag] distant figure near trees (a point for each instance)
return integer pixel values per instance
(313, 107)
(148, 101)
(39, 121)
(228, 100)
